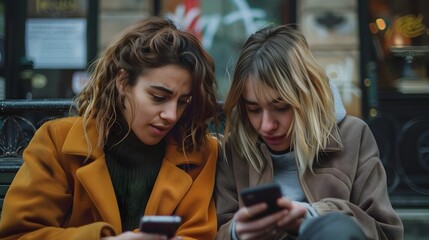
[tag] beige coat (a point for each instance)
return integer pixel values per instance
(58, 195)
(350, 179)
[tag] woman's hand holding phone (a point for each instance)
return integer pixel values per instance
(296, 214)
(266, 212)
(249, 227)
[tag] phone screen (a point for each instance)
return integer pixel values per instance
(268, 193)
(162, 225)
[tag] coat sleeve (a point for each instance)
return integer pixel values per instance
(369, 202)
(40, 199)
(226, 195)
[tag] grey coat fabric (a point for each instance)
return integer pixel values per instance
(349, 178)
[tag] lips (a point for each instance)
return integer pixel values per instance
(273, 140)
(159, 130)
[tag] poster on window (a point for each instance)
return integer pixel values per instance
(56, 43)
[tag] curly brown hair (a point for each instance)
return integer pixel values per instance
(151, 43)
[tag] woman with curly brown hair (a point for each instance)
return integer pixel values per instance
(139, 146)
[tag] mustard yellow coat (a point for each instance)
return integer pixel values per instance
(57, 194)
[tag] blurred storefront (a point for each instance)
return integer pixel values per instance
(395, 58)
(48, 46)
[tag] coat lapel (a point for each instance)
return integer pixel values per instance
(170, 187)
(172, 182)
(254, 176)
(94, 174)
(94, 178)
(267, 172)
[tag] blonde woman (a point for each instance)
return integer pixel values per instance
(286, 125)
(140, 146)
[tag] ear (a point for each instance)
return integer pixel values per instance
(120, 81)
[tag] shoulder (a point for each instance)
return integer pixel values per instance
(214, 143)
(214, 139)
(352, 121)
(54, 127)
(57, 131)
(214, 149)
(60, 123)
(354, 126)
(51, 135)
(355, 133)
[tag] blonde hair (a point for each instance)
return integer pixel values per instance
(150, 43)
(280, 58)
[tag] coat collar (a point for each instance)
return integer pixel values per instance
(76, 143)
(334, 142)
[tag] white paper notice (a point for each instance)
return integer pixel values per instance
(56, 43)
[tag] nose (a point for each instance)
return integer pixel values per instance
(268, 123)
(169, 113)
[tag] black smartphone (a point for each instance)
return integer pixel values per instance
(163, 225)
(268, 193)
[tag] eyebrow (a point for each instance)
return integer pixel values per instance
(164, 89)
(168, 91)
(248, 102)
(277, 100)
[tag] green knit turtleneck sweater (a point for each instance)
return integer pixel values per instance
(133, 168)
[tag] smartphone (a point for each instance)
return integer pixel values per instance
(163, 225)
(268, 193)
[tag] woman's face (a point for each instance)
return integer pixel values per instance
(270, 116)
(160, 97)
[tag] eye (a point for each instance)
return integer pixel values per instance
(158, 98)
(185, 100)
(282, 108)
(253, 109)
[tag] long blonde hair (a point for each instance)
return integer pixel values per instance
(150, 43)
(280, 58)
